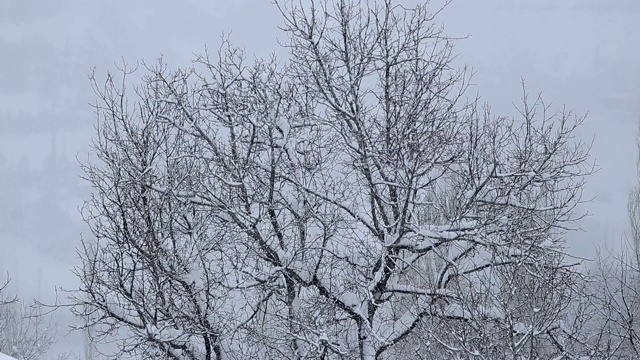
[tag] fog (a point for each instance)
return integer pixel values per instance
(582, 53)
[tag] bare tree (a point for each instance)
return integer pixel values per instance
(608, 307)
(347, 204)
(616, 291)
(26, 333)
(613, 300)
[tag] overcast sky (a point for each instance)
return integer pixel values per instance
(582, 53)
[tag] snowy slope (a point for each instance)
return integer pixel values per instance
(6, 357)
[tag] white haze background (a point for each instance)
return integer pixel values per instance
(582, 53)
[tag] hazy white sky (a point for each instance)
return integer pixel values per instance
(582, 53)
